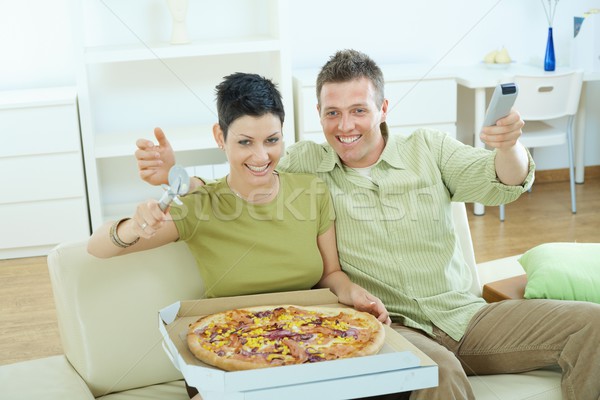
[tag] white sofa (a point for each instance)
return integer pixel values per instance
(107, 315)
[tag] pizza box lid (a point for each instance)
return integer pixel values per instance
(396, 354)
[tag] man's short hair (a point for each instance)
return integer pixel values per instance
(242, 94)
(347, 65)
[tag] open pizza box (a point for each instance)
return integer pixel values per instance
(399, 366)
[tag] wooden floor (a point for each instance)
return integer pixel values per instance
(28, 327)
(540, 216)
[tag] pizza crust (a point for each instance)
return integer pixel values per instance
(204, 341)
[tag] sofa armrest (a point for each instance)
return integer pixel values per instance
(498, 269)
(502, 279)
(505, 289)
(51, 378)
(107, 311)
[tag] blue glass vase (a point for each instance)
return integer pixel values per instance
(550, 59)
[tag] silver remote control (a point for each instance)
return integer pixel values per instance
(502, 100)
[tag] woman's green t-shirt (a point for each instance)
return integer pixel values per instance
(245, 248)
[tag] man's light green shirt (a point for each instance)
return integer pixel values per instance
(395, 231)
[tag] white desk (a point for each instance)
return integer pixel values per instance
(481, 78)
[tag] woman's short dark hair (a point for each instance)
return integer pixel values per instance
(242, 94)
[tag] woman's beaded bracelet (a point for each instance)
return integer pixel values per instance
(116, 239)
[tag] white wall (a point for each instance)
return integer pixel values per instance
(430, 31)
(36, 44)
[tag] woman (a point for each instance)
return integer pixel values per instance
(255, 230)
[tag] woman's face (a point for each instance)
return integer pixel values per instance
(253, 148)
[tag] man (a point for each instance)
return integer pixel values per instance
(392, 198)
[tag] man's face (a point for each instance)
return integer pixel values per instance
(350, 119)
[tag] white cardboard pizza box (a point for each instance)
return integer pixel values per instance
(399, 366)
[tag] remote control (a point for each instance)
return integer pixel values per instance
(502, 100)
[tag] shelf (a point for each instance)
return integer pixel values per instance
(121, 144)
(37, 97)
(140, 52)
(391, 72)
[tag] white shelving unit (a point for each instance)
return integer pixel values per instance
(43, 200)
(131, 79)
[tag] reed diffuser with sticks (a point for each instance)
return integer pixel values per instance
(550, 58)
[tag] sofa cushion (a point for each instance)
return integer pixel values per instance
(534, 385)
(108, 312)
(563, 271)
(171, 390)
(51, 378)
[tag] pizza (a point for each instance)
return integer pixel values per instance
(270, 336)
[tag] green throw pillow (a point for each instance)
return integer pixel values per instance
(563, 271)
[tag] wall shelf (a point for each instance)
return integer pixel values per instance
(122, 144)
(141, 52)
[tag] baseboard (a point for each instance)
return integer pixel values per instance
(560, 175)
(22, 252)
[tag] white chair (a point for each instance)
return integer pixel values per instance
(548, 97)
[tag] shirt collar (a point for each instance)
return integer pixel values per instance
(330, 160)
(390, 155)
(392, 152)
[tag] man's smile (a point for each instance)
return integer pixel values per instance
(348, 139)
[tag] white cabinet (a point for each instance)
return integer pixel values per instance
(43, 199)
(417, 98)
(130, 80)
